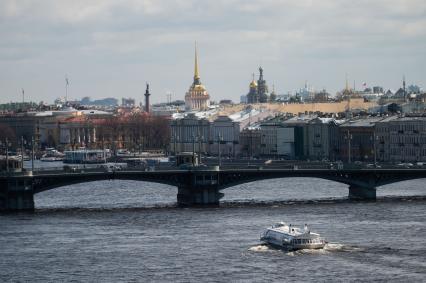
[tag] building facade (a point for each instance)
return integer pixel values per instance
(250, 140)
(225, 131)
(401, 139)
(190, 133)
(357, 140)
(322, 139)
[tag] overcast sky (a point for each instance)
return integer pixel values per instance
(110, 48)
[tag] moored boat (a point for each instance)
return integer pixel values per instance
(292, 238)
(52, 155)
(87, 156)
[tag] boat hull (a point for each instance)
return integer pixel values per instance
(291, 247)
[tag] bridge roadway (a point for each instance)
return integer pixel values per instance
(196, 186)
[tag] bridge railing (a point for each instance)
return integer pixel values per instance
(227, 166)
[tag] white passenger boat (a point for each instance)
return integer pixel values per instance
(290, 237)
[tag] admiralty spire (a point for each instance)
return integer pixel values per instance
(197, 97)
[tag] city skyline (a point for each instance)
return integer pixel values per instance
(107, 49)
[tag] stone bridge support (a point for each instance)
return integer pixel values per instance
(16, 194)
(198, 196)
(357, 192)
(200, 189)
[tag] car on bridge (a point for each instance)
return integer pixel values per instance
(405, 165)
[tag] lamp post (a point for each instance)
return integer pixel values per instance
(193, 150)
(7, 155)
(375, 138)
(176, 151)
(174, 144)
(219, 138)
(22, 152)
(32, 154)
(349, 138)
(200, 139)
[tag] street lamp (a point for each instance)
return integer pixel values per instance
(193, 150)
(32, 154)
(200, 140)
(375, 139)
(348, 137)
(7, 155)
(22, 152)
(219, 139)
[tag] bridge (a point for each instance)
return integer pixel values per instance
(197, 186)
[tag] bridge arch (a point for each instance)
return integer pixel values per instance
(287, 188)
(107, 194)
(57, 181)
(411, 187)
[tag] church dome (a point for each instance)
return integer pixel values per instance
(253, 84)
(199, 87)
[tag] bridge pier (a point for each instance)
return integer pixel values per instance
(361, 193)
(16, 195)
(198, 196)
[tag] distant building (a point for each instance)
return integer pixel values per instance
(207, 134)
(105, 102)
(250, 140)
(321, 96)
(322, 138)
(414, 89)
(188, 132)
(356, 139)
(378, 90)
(401, 139)
(128, 102)
(306, 94)
(300, 129)
(226, 102)
(227, 132)
(282, 137)
(197, 97)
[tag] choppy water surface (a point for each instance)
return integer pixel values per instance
(129, 231)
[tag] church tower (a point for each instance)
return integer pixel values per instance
(197, 97)
(262, 88)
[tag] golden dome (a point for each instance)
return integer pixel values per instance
(199, 87)
(253, 84)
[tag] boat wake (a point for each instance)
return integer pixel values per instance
(328, 249)
(261, 248)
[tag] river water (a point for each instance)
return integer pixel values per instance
(127, 231)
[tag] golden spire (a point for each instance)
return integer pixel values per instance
(196, 75)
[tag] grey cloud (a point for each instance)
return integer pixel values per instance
(289, 37)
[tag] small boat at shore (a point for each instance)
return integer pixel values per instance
(87, 156)
(291, 238)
